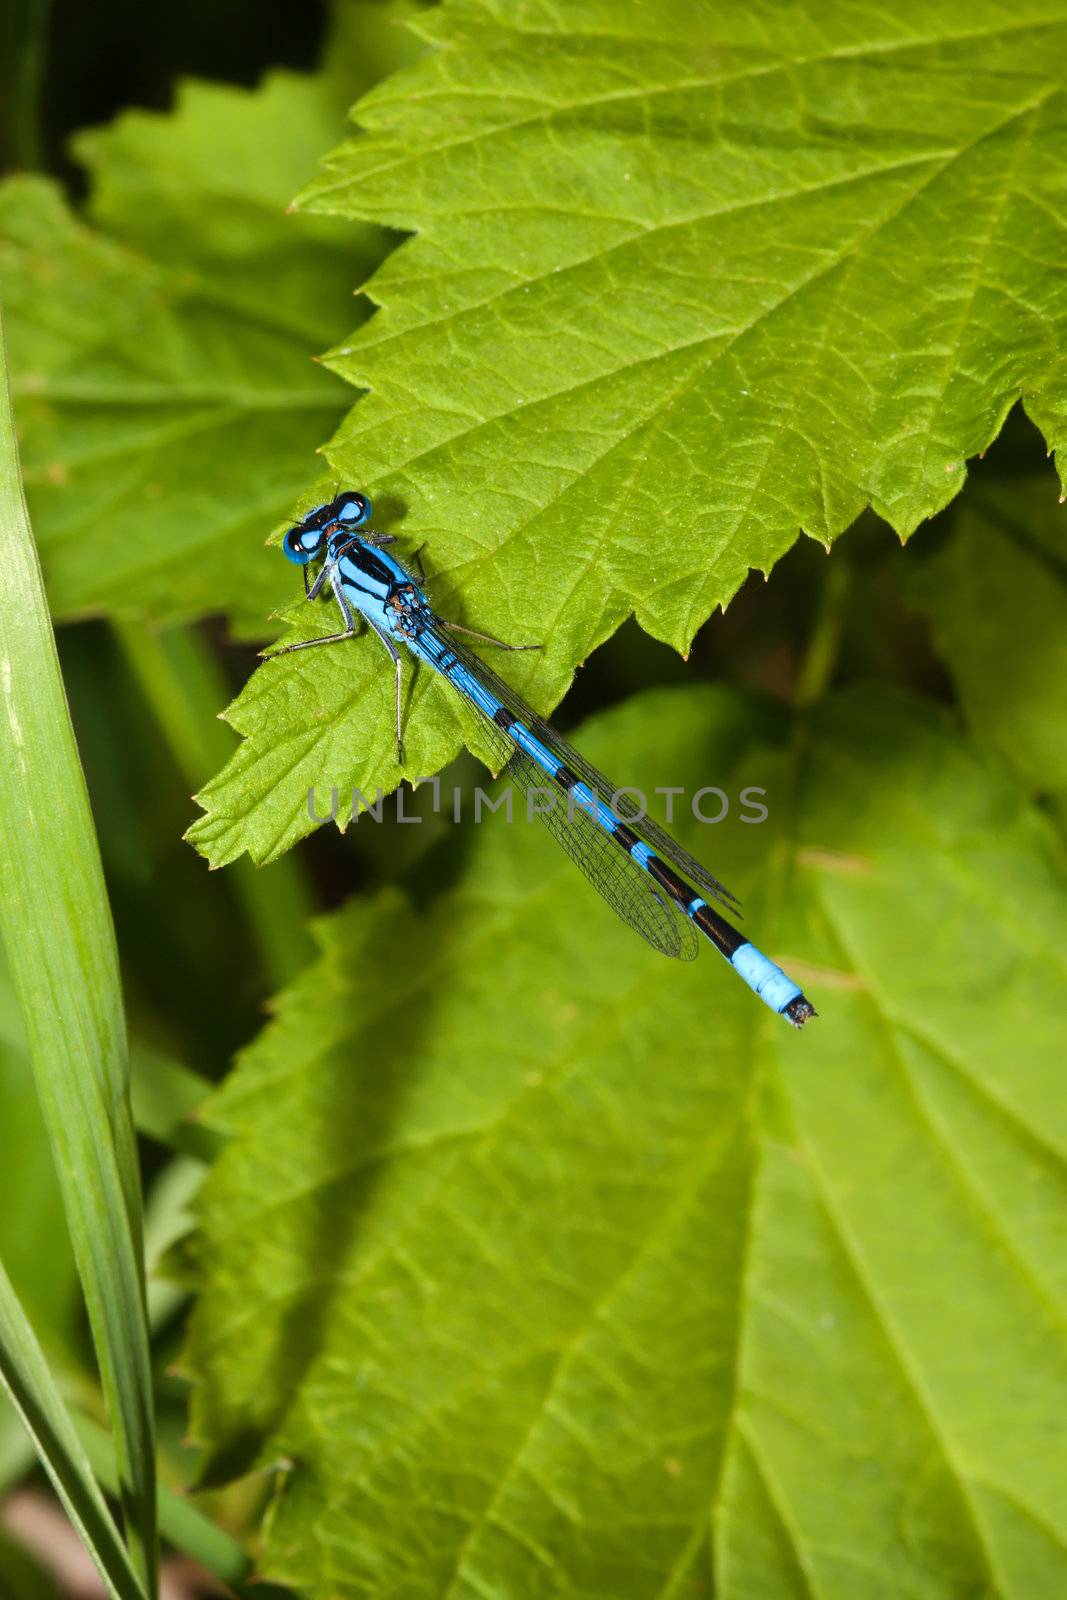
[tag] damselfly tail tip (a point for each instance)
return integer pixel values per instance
(799, 1011)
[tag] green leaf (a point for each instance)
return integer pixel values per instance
(692, 277)
(59, 941)
(685, 280)
(995, 589)
(539, 1265)
(166, 399)
(316, 723)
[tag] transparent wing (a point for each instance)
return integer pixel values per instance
(625, 886)
(626, 808)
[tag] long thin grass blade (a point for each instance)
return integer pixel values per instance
(24, 1374)
(56, 926)
(181, 1523)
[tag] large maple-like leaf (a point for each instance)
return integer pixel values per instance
(690, 277)
(547, 1266)
(686, 279)
(168, 406)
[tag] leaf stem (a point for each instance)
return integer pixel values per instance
(820, 657)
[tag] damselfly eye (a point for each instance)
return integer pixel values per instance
(302, 544)
(352, 508)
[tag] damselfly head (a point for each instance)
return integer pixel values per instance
(304, 543)
(352, 509)
(309, 538)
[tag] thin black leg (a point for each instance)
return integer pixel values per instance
(399, 665)
(307, 644)
(399, 728)
(487, 638)
(350, 628)
(316, 588)
(416, 562)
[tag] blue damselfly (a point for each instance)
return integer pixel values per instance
(644, 875)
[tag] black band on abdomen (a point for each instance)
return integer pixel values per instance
(722, 935)
(668, 879)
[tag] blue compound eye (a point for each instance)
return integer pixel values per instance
(352, 508)
(302, 544)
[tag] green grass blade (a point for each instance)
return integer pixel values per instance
(169, 1218)
(23, 49)
(56, 926)
(167, 1097)
(181, 1523)
(186, 689)
(25, 1375)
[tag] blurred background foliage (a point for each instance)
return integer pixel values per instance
(201, 956)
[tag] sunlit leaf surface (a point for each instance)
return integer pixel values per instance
(547, 1266)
